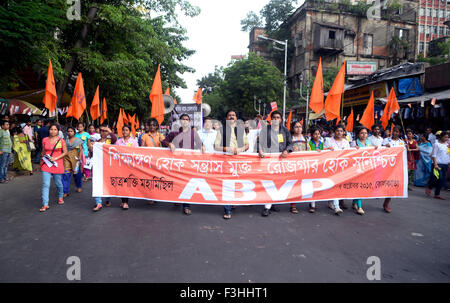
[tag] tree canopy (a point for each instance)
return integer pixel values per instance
(125, 42)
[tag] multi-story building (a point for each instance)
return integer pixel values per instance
(431, 17)
(338, 31)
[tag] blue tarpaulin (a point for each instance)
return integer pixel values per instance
(409, 87)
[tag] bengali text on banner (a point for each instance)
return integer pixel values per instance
(188, 176)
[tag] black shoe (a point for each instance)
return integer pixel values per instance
(342, 205)
(274, 208)
(265, 212)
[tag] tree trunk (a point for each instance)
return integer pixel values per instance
(69, 65)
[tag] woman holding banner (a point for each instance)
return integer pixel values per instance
(361, 142)
(315, 144)
(393, 141)
(299, 143)
(337, 142)
(129, 141)
(106, 137)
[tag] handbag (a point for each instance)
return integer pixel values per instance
(30, 145)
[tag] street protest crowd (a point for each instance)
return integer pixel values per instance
(70, 147)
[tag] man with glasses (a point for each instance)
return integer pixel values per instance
(152, 137)
(186, 138)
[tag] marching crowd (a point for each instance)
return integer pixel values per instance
(64, 152)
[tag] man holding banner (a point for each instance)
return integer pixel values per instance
(275, 138)
(186, 138)
(231, 139)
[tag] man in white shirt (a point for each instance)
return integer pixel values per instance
(208, 135)
(376, 137)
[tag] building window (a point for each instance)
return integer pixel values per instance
(422, 11)
(428, 29)
(421, 46)
(421, 29)
(435, 30)
(368, 44)
(332, 35)
(441, 30)
(348, 44)
(401, 33)
(429, 12)
(435, 13)
(441, 14)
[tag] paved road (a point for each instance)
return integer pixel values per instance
(160, 244)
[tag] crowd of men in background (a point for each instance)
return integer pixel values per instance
(71, 148)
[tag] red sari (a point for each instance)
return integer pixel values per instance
(412, 155)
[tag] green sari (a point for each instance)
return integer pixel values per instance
(22, 157)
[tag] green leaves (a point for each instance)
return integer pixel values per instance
(242, 81)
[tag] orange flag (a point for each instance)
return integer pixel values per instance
(137, 122)
(50, 91)
(368, 118)
(104, 112)
(349, 127)
(392, 128)
(133, 125)
(119, 124)
(95, 106)
(316, 99)
(157, 99)
(129, 119)
(301, 122)
(288, 123)
(167, 92)
(198, 96)
(69, 111)
(175, 100)
(390, 108)
(78, 99)
(334, 98)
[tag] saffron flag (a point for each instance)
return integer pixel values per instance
(137, 122)
(95, 106)
(349, 127)
(391, 107)
(167, 92)
(119, 124)
(104, 112)
(198, 96)
(334, 98)
(50, 90)
(69, 111)
(175, 100)
(316, 99)
(156, 98)
(78, 99)
(368, 118)
(288, 123)
(301, 122)
(133, 125)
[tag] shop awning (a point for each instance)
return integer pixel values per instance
(441, 95)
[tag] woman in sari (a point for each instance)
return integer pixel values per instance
(423, 170)
(22, 156)
(72, 162)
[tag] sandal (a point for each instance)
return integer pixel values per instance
(98, 207)
(79, 190)
(187, 211)
(60, 201)
(125, 206)
(294, 210)
(227, 216)
(44, 208)
(108, 203)
(312, 209)
(439, 197)
(65, 195)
